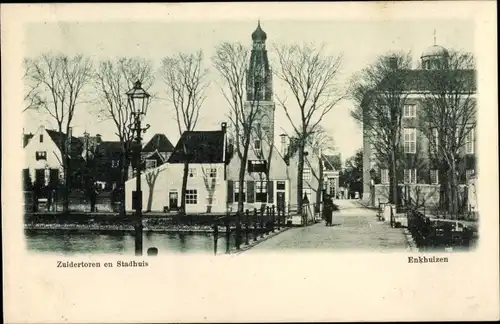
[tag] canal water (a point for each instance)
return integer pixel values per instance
(118, 242)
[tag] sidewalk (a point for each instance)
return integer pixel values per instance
(355, 228)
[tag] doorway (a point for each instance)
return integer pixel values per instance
(173, 200)
(280, 199)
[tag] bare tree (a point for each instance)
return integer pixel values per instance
(381, 92)
(111, 81)
(210, 175)
(231, 61)
(151, 177)
(186, 81)
(311, 76)
(320, 141)
(448, 119)
(57, 82)
(32, 98)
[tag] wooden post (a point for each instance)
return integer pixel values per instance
(238, 230)
(273, 217)
(215, 228)
(255, 224)
(228, 233)
(247, 217)
(262, 222)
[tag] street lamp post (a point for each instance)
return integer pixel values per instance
(138, 101)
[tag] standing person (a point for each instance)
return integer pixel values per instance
(92, 194)
(328, 211)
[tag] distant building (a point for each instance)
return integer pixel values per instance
(205, 152)
(331, 167)
(156, 151)
(420, 167)
(43, 152)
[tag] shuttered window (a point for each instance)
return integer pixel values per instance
(250, 191)
(270, 192)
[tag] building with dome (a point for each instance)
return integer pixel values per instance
(419, 167)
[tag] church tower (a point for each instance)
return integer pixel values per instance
(259, 95)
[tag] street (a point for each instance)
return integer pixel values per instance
(354, 228)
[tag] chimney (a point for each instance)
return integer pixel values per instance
(393, 62)
(284, 144)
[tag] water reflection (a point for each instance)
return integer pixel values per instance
(117, 242)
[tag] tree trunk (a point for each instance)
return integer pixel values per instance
(300, 172)
(319, 192)
(241, 181)
(184, 185)
(454, 191)
(394, 181)
(150, 198)
(121, 184)
(66, 185)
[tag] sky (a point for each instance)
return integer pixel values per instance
(359, 42)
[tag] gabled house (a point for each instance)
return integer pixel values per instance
(43, 152)
(156, 151)
(331, 167)
(205, 152)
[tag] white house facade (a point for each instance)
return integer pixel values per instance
(206, 189)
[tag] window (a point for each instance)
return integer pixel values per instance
(280, 185)
(41, 138)
(384, 176)
(410, 140)
(410, 111)
(192, 172)
(212, 173)
(191, 197)
(115, 163)
(150, 164)
(306, 174)
(410, 176)
(257, 147)
(469, 174)
(41, 155)
(237, 193)
(257, 166)
(469, 141)
(435, 138)
(434, 176)
(260, 191)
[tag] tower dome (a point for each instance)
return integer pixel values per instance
(435, 50)
(259, 34)
(435, 57)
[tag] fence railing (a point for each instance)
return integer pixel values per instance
(248, 226)
(434, 234)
